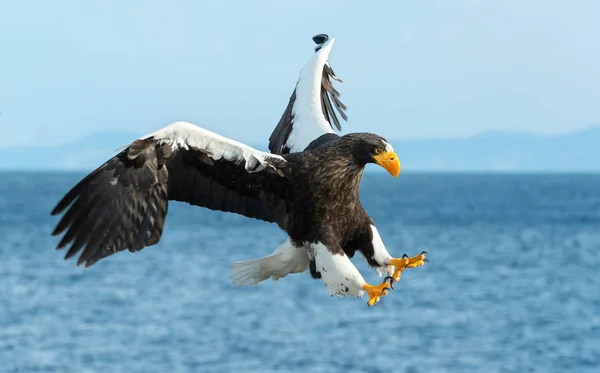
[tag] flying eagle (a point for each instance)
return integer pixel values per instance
(308, 185)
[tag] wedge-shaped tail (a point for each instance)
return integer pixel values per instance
(286, 259)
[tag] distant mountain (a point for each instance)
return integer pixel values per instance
(504, 152)
(488, 151)
(83, 154)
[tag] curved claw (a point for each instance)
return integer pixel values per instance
(423, 252)
(373, 305)
(426, 260)
(404, 256)
(391, 281)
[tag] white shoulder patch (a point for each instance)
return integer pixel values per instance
(183, 135)
(308, 120)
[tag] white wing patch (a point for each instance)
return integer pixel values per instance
(307, 115)
(183, 135)
(338, 273)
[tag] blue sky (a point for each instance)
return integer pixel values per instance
(410, 69)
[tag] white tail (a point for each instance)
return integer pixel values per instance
(284, 260)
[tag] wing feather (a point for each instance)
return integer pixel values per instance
(311, 111)
(123, 203)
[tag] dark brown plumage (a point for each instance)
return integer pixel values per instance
(308, 185)
(312, 195)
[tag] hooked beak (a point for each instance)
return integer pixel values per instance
(389, 161)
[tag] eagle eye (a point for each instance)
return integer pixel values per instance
(376, 151)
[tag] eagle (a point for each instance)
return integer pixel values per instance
(308, 185)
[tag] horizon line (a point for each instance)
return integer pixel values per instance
(253, 143)
(371, 171)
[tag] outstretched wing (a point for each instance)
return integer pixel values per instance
(123, 203)
(311, 112)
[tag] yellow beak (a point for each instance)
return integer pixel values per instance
(389, 161)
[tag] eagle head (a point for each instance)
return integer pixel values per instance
(371, 148)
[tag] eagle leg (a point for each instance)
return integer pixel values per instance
(405, 262)
(376, 292)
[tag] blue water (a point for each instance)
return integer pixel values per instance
(513, 286)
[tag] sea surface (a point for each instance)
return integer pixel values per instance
(513, 286)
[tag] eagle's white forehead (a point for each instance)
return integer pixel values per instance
(388, 147)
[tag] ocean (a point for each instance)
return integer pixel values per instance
(513, 285)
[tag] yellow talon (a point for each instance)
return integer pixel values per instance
(376, 292)
(405, 262)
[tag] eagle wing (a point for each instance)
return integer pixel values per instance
(123, 203)
(311, 111)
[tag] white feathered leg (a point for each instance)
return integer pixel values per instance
(338, 273)
(380, 254)
(342, 278)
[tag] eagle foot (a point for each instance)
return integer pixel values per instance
(378, 291)
(405, 262)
